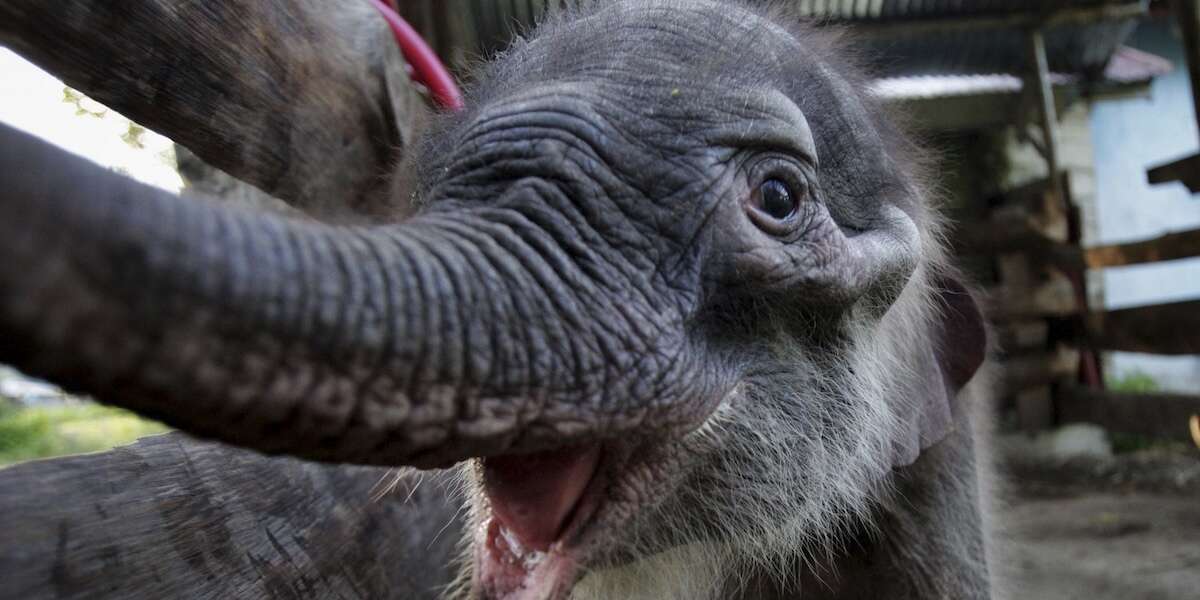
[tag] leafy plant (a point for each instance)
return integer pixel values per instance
(1134, 382)
(27, 433)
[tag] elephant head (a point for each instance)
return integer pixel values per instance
(673, 286)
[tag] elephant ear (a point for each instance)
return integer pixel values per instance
(942, 366)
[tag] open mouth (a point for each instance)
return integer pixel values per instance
(531, 545)
(546, 511)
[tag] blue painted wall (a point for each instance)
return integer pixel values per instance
(1128, 136)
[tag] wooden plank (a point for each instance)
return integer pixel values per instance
(1019, 234)
(173, 517)
(1172, 246)
(1161, 329)
(1185, 170)
(1004, 233)
(1165, 416)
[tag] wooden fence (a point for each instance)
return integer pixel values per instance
(1051, 337)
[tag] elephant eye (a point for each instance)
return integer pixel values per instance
(775, 199)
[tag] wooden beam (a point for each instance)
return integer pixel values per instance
(1187, 15)
(1165, 416)
(1005, 232)
(1172, 246)
(1160, 329)
(1018, 234)
(1185, 170)
(1043, 92)
(1080, 15)
(985, 111)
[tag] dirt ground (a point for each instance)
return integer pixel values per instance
(1119, 528)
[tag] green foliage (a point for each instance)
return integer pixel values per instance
(27, 433)
(134, 135)
(1134, 382)
(84, 106)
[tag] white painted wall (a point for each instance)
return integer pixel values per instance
(1128, 136)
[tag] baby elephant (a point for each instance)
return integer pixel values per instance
(675, 296)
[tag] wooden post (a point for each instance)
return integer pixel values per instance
(1187, 13)
(1039, 83)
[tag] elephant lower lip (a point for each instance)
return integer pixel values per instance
(507, 571)
(541, 506)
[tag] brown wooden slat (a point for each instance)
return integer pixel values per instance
(1012, 232)
(1161, 329)
(1017, 234)
(1185, 170)
(1164, 416)
(1183, 244)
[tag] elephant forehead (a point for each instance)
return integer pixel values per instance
(662, 43)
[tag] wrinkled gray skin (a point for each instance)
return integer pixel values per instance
(587, 267)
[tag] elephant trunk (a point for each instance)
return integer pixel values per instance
(450, 335)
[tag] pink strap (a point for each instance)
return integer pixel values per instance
(428, 70)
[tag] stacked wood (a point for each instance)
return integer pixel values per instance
(1045, 328)
(1026, 235)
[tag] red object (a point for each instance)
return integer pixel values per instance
(428, 70)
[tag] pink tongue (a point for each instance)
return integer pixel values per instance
(533, 495)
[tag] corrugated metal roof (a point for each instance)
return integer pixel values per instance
(1128, 66)
(924, 87)
(1080, 48)
(1083, 49)
(900, 10)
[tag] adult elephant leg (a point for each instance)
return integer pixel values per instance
(307, 100)
(174, 517)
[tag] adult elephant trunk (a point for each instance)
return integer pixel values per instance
(454, 334)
